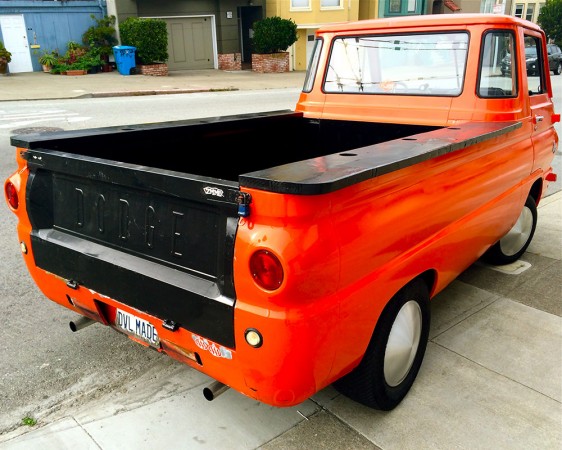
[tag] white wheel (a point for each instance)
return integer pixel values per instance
(395, 353)
(510, 247)
(403, 343)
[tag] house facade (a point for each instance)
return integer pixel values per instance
(211, 34)
(28, 28)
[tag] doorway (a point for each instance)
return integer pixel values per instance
(15, 40)
(248, 15)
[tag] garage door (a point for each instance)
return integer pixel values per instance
(190, 43)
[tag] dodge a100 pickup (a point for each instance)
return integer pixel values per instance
(308, 253)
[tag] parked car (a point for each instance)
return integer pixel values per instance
(554, 60)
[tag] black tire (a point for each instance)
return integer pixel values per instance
(510, 247)
(557, 69)
(384, 377)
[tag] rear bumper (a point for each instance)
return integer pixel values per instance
(271, 375)
(166, 294)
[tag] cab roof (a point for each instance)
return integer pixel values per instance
(430, 20)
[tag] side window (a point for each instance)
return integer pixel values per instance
(535, 65)
(497, 77)
(312, 65)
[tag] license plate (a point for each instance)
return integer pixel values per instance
(137, 327)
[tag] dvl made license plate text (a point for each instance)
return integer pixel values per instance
(137, 327)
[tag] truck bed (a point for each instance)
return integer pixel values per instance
(248, 148)
(157, 207)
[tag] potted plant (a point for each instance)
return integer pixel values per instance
(59, 68)
(92, 61)
(5, 58)
(74, 51)
(100, 38)
(48, 59)
(150, 39)
(272, 37)
(76, 68)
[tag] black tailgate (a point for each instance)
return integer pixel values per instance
(157, 240)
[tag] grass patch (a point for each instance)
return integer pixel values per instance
(29, 421)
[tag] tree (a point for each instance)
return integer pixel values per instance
(273, 35)
(101, 35)
(550, 20)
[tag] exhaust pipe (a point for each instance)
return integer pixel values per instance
(80, 323)
(215, 389)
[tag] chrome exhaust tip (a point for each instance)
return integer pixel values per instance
(80, 323)
(215, 389)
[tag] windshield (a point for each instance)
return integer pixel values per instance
(416, 64)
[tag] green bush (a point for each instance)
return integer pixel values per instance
(273, 35)
(5, 55)
(101, 36)
(550, 19)
(149, 36)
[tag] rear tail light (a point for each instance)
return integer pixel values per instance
(266, 270)
(551, 177)
(11, 195)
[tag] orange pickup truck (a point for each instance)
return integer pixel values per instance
(306, 250)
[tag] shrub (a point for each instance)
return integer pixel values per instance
(74, 52)
(274, 34)
(101, 36)
(148, 36)
(5, 55)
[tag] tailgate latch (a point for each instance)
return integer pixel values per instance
(243, 199)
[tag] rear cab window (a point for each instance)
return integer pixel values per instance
(431, 64)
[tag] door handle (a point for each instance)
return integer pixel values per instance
(538, 119)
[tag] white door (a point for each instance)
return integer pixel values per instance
(14, 35)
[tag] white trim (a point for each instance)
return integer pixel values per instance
(304, 26)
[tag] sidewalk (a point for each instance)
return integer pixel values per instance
(491, 377)
(44, 86)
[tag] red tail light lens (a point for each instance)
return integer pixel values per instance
(12, 195)
(266, 270)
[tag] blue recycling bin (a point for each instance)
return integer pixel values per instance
(124, 58)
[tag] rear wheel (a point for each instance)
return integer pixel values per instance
(395, 353)
(510, 247)
(557, 69)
